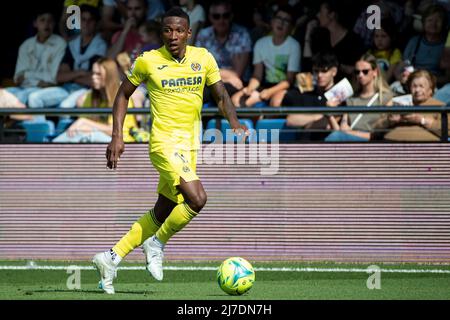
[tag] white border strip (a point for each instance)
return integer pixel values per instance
(195, 268)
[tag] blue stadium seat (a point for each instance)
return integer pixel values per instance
(62, 125)
(228, 136)
(286, 134)
(38, 131)
(261, 104)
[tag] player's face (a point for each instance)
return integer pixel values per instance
(175, 33)
(98, 76)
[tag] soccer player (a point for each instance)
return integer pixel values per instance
(175, 76)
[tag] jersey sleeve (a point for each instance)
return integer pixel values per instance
(212, 70)
(138, 72)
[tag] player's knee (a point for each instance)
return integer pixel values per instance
(198, 201)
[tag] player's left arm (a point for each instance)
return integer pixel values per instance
(227, 108)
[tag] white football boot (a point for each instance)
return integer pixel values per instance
(106, 270)
(153, 250)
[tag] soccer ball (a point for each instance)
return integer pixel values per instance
(235, 276)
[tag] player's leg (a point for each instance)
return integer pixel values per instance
(183, 186)
(106, 262)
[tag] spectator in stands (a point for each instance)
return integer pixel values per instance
(74, 71)
(229, 43)
(276, 60)
(343, 42)
(128, 39)
(105, 84)
(110, 25)
(416, 126)
(388, 10)
(384, 49)
(38, 58)
(370, 90)
(400, 87)
(425, 51)
(443, 93)
(66, 33)
(325, 67)
(113, 13)
(260, 26)
(196, 17)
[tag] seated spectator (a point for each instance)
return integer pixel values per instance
(113, 8)
(74, 74)
(31, 73)
(345, 44)
(416, 126)
(196, 17)
(443, 93)
(105, 84)
(325, 67)
(388, 9)
(276, 60)
(425, 51)
(384, 49)
(113, 13)
(229, 43)
(370, 90)
(66, 33)
(128, 39)
(8, 100)
(400, 87)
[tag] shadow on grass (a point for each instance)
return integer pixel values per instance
(99, 292)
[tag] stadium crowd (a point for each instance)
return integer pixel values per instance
(287, 53)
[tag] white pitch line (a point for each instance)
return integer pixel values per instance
(194, 268)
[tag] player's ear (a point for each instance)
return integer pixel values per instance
(189, 33)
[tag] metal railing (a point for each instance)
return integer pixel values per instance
(267, 111)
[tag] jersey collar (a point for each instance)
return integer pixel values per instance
(169, 56)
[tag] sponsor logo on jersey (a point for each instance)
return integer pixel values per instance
(179, 82)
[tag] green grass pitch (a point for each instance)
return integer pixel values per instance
(33, 284)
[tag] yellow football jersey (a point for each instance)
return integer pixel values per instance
(176, 94)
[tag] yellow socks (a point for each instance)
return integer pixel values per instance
(145, 227)
(180, 216)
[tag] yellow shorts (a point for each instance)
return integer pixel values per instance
(172, 165)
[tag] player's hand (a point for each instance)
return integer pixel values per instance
(114, 151)
(241, 131)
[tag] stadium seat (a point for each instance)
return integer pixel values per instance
(62, 125)
(286, 134)
(228, 136)
(261, 104)
(38, 131)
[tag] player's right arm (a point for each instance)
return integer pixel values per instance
(116, 146)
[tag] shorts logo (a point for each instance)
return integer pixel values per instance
(196, 66)
(186, 169)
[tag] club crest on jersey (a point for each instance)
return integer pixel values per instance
(196, 66)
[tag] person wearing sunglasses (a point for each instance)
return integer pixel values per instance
(370, 90)
(229, 43)
(276, 60)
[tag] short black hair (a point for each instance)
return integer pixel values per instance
(325, 60)
(92, 10)
(286, 9)
(176, 12)
(44, 9)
